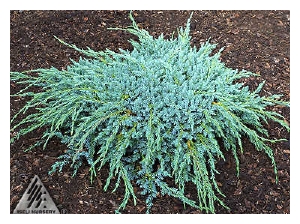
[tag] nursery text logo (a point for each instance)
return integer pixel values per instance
(36, 200)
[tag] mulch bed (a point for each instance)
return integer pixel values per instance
(258, 41)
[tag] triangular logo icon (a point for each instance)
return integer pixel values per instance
(36, 200)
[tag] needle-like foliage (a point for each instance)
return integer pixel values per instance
(163, 111)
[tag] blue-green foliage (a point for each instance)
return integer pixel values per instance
(163, 110)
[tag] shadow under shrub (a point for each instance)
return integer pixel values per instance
(157, 112)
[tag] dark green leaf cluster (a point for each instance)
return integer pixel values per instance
(164, 110)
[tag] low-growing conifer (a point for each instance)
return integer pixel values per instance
(160, 116)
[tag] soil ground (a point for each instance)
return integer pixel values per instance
(258, 41)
